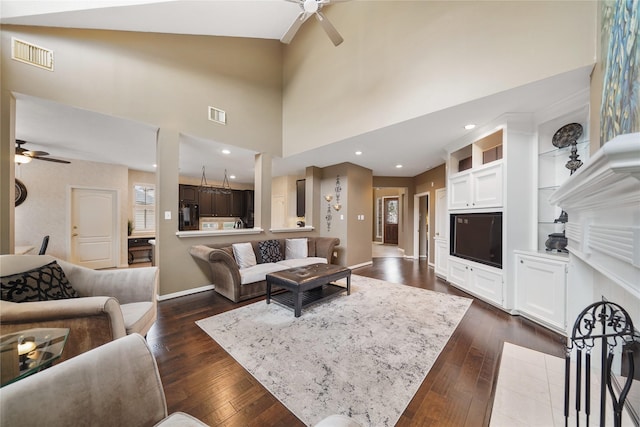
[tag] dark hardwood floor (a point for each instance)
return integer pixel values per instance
(200, 378)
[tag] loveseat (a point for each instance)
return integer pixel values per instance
(238, 270)
(40, 291)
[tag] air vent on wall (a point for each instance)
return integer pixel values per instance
(31, 54)
(217, 115)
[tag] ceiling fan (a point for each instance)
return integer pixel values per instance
(25, 156)
(312, 7)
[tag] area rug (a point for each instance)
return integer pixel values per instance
(364, 355)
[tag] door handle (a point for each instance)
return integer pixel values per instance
(74, 234)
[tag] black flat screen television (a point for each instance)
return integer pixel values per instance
(477, 237)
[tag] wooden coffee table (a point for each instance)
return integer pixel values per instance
(307, 285)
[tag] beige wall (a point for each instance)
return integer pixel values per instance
(430, 181)
(164, 80)
(355, 198)
(401, 60)
(47, 207)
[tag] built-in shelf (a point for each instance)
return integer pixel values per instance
(552, 170)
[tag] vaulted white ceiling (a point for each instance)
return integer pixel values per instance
(47, 126)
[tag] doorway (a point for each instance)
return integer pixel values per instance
(94, 237)
(390, 217)
(421, 225)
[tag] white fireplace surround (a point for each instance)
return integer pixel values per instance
(602, 200)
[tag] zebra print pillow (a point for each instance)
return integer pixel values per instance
(270, 251)
(40, 284)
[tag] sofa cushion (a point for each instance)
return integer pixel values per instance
(259, 272)
(44, 283)
(244, 255)
(301, 262)
(138, 316)
(296, 249)
(270, 251)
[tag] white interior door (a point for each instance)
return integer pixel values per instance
(441, 214)
(94, 225)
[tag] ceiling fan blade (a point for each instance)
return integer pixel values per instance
(331, 31)
(295, 26)
(49, 159)
(34, 153)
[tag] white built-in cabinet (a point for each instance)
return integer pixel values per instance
(441, 258)
(478, 279)
(541, 279)
(477, 188)
(492, 170)
(541, 291)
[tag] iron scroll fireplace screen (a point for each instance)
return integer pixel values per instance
(603, 325)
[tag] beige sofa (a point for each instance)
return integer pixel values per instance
(112, 303)
(238, 284)
(116, 384)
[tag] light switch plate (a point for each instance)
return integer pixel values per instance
(167, 214)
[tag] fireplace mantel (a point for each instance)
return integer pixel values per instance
(602, 199)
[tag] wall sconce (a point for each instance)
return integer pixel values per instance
(328, 217)
(337, 206)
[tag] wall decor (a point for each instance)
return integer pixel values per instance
(328, 216)
(338, 189)
(21, 192)
(620, 109)
(337, 206)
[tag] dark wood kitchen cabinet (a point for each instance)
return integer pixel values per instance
(206, 204)
(188, 194)
(223, 205)
(237, 203)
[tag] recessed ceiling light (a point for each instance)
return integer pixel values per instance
(358, 153)
(469, 126)
(232, 177)
(155, 166)
(398, 166)
(225, 151)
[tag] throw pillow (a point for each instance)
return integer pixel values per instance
(244, 255)
(270, 251)
(296, 248)
(40, 284)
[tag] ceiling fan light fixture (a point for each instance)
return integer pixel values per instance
(21, 159)
(310, 6)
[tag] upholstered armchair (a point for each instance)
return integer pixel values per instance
(110, 303)
(116, 384)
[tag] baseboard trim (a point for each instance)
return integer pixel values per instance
(185, 292)
(364, 264)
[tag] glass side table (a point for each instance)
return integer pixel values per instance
(26, 352)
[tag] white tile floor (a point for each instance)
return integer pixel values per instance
(530, 392)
